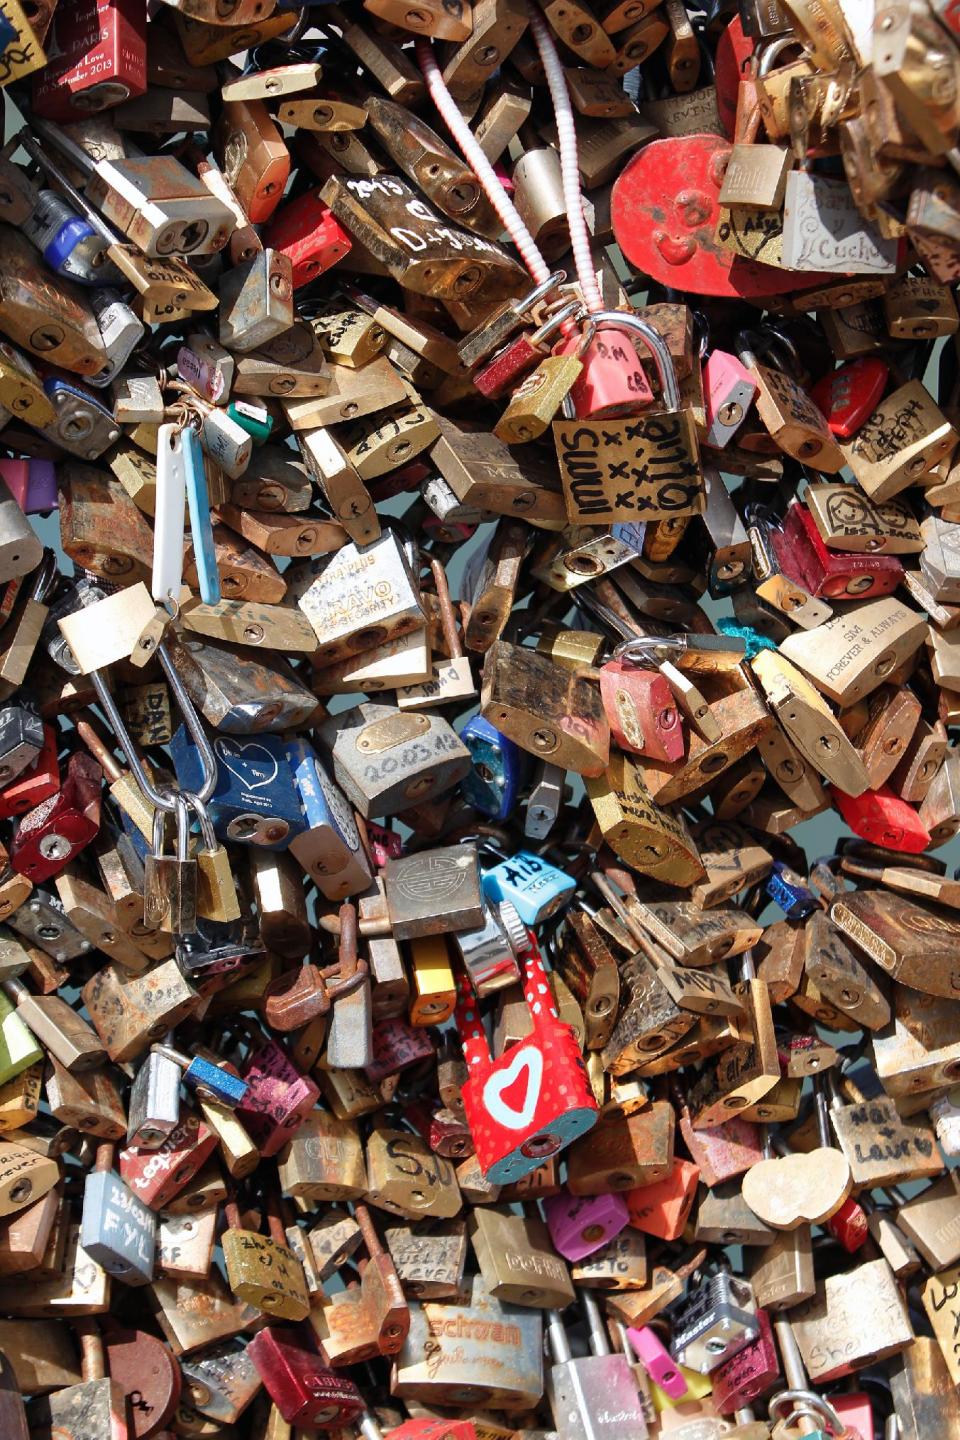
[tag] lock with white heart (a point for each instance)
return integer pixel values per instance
(535, 1099)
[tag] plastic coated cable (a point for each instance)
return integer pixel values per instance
(480, 165)
(569, 162)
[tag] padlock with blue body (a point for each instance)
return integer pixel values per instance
(790, 891)
(201, 528)
(209, 1080)
(497, 770)
(329, 847)
(255, 801)
(533, 886)
(117, 1230)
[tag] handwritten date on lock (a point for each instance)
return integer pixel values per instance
(641, 467)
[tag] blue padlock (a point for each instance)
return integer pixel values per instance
(210, 1081)
(790, 891)
(533, 886)
(329, 849)
(117, 1230)
(255, 801)
(497, 771)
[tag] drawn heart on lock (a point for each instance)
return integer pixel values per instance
(793, 1190)
(527, 1061)
(243, 752)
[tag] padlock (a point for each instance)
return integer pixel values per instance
(278, 1096)
(714, 1322)
(97, 1405)
(48, 837)
(602, 1382)
(263, 1272)
(581, 1225)
(300, 1385)
(512, 1140)
(117, 1230)
(170, 884)
(534, 887)
(492, 784)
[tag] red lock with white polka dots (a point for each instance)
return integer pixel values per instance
(535, 1099)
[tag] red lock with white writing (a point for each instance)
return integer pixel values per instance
(535, 1099)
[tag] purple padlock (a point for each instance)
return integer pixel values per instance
(33, 484)
(580, 1224)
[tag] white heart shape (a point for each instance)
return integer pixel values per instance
(243, 752)
(527, 1058)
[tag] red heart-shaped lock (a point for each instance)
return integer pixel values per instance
(665, 207)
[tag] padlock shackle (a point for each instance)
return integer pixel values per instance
(473, 1039)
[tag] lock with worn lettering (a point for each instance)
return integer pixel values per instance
(262, 1271)
(514, 1107)
(117, 1230)
(301, 1387)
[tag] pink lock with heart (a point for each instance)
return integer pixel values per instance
(534, 1100)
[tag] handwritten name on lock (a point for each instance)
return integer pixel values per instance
(644, 468)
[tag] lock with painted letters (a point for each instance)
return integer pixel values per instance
(514, 1107)
(117, 1230)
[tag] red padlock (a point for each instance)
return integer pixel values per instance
(850, 395)
(34, 785)
(640, 707)
(49, 836)
(535, 1099)
(98, 57)
(831, 574)
(303, 1389)
(308, 232)
(157, 1176)
(523, 353)
(396, 1046)
(665, 206)
(752, 1372)
(385, 844)
(856, 1411)
(849, 1225)
(883, 818)
(733, 59)
(422, 1427)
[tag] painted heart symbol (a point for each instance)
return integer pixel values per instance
(246, 754)
(526, 1062)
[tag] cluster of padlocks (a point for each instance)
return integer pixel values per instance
(473, 480)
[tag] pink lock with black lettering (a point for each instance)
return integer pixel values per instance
(581, 1224)
(534, 1100)
(657, 1361)
(612, 381)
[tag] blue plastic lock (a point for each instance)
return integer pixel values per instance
(255, 801)
(532, 885)
(497, 771)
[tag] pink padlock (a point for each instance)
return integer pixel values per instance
(580, 1224)
(728, 391)
(643, 716)
(612, 381)
(278, 1097)
(657, 1361)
